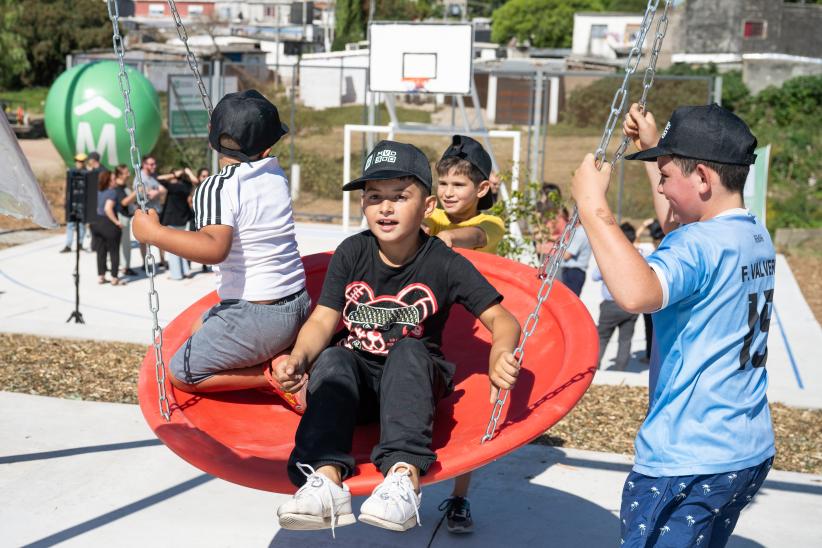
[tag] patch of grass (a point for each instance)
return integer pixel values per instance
(32, 99)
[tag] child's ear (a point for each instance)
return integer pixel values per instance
(483, 188)
(707, 178)
(430, 205)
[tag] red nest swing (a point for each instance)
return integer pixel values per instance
(246, 436)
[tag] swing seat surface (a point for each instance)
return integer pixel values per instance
(246, 436)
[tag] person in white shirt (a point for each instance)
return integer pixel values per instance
(245, 227)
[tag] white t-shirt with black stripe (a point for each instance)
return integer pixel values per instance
(253, 198)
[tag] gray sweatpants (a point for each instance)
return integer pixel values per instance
(612, 317)
(238, 334)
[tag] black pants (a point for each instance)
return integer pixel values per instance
(574, 278)
(611, 317)
(346, 388)
(649, 334)
(106, 240)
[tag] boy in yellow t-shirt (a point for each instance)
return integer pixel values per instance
(463, 190)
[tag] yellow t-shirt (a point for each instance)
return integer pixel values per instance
(492, 225)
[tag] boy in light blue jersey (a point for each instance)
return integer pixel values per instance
(707, 441)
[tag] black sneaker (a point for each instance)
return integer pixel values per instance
(458, 515)
(65, 250)
(129, 272)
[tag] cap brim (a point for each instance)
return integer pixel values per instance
(486, 202)
(359, 184)
(649, 155)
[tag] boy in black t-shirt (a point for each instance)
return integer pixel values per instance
(393, 286)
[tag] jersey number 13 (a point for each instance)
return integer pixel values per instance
(763, 318)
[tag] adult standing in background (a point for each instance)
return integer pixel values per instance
(106, 229)
(575, 261)
(176, 214)
(77, 172)
(155, 192)
(126, 198)
(93, 163)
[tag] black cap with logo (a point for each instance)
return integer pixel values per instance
(471, 151)
(391, 160)
(250, 120)
(708, 132)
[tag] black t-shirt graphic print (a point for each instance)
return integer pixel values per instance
(381, 304)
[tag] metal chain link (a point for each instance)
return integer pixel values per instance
(553, 261)
(192, 60)
(142, 200)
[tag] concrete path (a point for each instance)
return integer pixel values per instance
(92, 474)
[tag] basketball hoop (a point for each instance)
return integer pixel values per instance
(416, 85)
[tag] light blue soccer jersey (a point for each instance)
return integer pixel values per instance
(708, 412)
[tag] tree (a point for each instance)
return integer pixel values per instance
(13, 61)
(543, 23)
(349, 27)
(51, 29)
(629, 6)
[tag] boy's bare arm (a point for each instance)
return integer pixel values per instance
(469, 237)
(505, 331)
(313, 338)
(641, 129)
(210, 245)
(629, 278)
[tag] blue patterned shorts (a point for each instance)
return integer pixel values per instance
(686, 510)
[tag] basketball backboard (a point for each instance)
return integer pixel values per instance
(420, 57)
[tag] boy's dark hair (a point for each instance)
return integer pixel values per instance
(732, 176)
(656, 231)
(460, 167)
(629, 231)
(230, 144)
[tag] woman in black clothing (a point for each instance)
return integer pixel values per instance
(176, 214)
(106, 229)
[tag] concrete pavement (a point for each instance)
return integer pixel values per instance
(92, 474)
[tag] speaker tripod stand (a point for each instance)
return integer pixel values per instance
(76, 315)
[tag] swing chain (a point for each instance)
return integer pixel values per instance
(142, 200)
(621, 95)
(648, 78)
(553, 260)
(192, 60)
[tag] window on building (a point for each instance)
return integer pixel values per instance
(599, 31)
(195, 10)
(156, 10)
(754, 29)
(270, 11)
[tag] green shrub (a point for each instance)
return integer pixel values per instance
(589, 106)
(788, 119)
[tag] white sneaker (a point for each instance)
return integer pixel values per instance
(318, 504)
(394, 504)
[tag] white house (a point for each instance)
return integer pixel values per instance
(334, 79)
(606, 35)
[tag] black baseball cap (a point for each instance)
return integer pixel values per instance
(470, 150)
(707, 132)
(390, 160)
(248, 118)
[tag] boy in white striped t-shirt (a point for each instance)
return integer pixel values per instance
(245, 227)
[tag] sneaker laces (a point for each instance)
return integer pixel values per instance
(398, 488)
(456, 507)
(317, 485)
